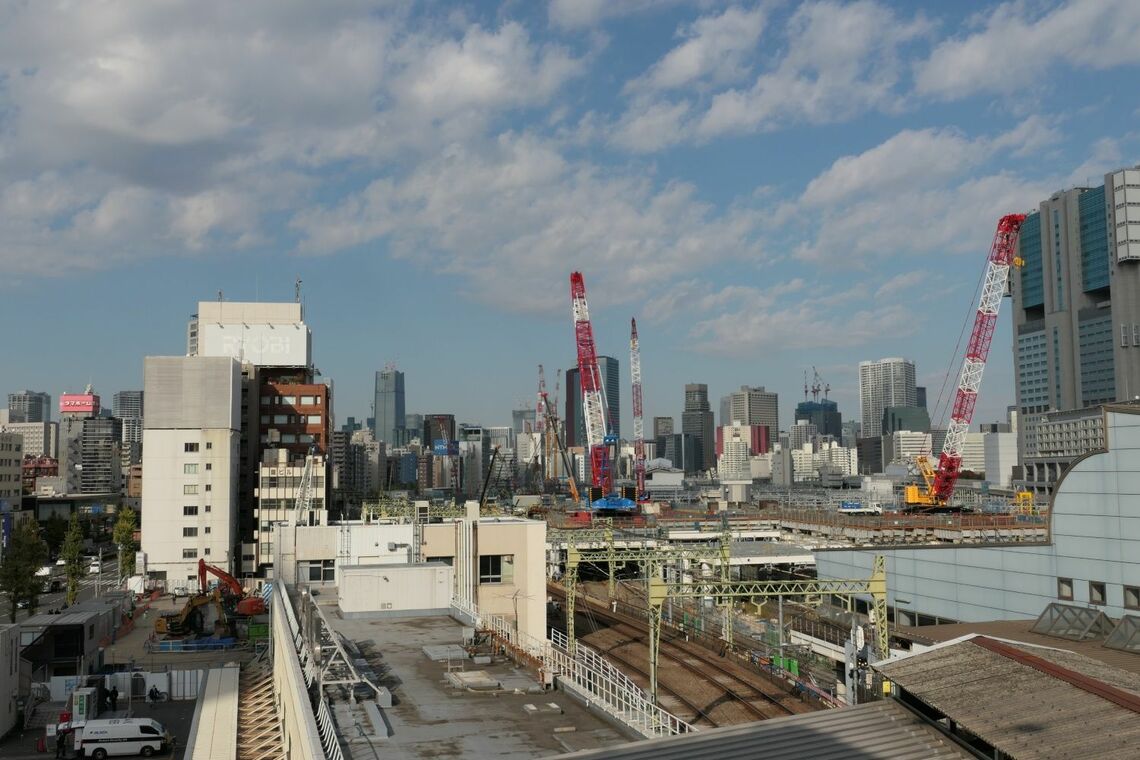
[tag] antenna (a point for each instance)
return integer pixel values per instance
(221, 296)
(297, 290)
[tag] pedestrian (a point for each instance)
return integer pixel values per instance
(114, 697)
(60, 745)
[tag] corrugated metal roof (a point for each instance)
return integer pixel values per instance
(1018, 630)
(875, 730)
(1015, 707)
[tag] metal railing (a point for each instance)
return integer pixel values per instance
(327, 730)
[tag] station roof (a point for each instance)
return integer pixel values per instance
(875, 730)
(1026, 701)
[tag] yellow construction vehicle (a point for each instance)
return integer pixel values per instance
(189, 619)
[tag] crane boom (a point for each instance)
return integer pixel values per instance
(1002, 257)
(638, 421)
(590, 380)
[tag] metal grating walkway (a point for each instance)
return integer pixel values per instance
(259, 735)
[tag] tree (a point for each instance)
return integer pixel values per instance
(72, 556)
(26, 554)
(124, 537)
(55, 528)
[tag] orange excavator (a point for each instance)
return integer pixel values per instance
(245, 605)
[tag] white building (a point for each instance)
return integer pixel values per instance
(278, 487)
(887, 382)
(41, 439)
(1092, 559)
(902, 446)
(973, 453)
(735, 450)
(838, 460)
(1001, 457)
(11, 471)
(263, 334)
(190, 465)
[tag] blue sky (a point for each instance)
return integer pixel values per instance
(766, 186)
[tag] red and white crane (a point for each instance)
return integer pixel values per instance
(590, 380)
(638, 420)
(940, 482)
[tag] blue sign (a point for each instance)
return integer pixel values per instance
(5, 530)
(845, 505)
(442, 448)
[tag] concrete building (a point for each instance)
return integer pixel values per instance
(128, 408)
(90, 446)
(756, 406)
(1000, 452)
(389, 407)
(683, 450)
(11, 471)
(824, 414)
(755, 435)
(522, 421)
(809, 462)
(883, 383)
(9, 676)
(697, 421)
(735, 447)
(609, 368)
(413, 425)
(973, 453)
(902, 446)
(801, 433)
(279, 479)
(41, 439)
(29, 406)
(1059, 439)
(662, 426)
(191, 443)
(1092, 557)
(913, 418)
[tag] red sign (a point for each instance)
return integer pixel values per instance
(79, 403)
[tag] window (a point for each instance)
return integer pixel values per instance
(322, 571)
(190, 511)
(1065, 588)
(188, 490)
(281, 419)
(207, 486)
(209, 446)
(189, 532)
(497, 568)
(1096, 592)
(1132, 597)
(207, 548)
(248, 557)
(308, 400)
(190, 469)
(314, 419)
(209, 466)
(190, 448)
(189, 554)
(288, 399)
(207, 530)
(207, 508)
(150, 730)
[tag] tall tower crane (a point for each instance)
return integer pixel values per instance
(940, 482)
(590, 380)
(638, 420)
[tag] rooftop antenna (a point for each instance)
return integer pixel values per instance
(221, 296)
(297, 290)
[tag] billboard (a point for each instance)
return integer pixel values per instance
(86, 404)
(442, 448)
(277, 345)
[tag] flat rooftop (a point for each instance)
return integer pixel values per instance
(431, 719)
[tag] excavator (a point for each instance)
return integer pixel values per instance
(229, 596)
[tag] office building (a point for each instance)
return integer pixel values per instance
(191, 445)
(389, 410)
(684, 450)
(824, 414)
(913, 418)
(662, 426)
(128, 408)
(41, 439)
(413, 426)
(697, 421)
(852, 431)
(89, 446)
(279, 479)
(11, 472)
(887, 382)
(733, 460)
(128, 404)
(29, 406)
(611, 387)
(1000, 453)
(801, 433)
(756, 406)
(755, 435)
(522, 421)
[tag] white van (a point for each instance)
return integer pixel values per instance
(121, 736)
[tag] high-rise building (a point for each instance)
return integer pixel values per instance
(191, 444)
(662, 426)
(29, 406)
(887, 382)
(756, 406)
(11, 472)
(89, 446)
(913, 418)
(684, 450)
(697, 421)
(128, 408)
(824, 414)
(389, 425)
(128, 405)
(1076, 308)
(413, 425)
(522, 420)
(41, 439)
(611, 387)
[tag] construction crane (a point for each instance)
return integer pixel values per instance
(304, 502)
(940, 486)
(552, 425)
(599, 433)
(638, 420)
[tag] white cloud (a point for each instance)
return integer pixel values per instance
(839, 60)
(582, 14)
(1016, 47)
(715, 48)
(513, 218)
(651, 128)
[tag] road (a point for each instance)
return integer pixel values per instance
(87, 588)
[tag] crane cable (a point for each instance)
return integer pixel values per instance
(942, 410)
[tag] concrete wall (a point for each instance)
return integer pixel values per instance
(395, 590)
(9, 675)
(1095, 537)
(298, 725)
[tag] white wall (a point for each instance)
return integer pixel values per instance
(1001, 457)
(393, 590)
(1095, 537)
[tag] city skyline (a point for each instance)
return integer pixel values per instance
(761, 200)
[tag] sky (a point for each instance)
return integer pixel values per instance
(768, 187)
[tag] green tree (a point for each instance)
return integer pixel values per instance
(26, 554)
(124, 537)
(72, 556)
(55, 528)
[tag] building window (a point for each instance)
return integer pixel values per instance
(497, 568)
(190, 469)
(288, 399)
(207, 530)
(323, 571)
(207, 508)
(189, 532)
(1096, 592)
(189, 511)
(207, 548)
(314, 419)
(207, 486)
(1132, 597)
(189, 554)
(190, 489)
(248, 557)
(209, 466)
(190, 448)
(1065, 588)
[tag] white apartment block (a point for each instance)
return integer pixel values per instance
(903, 446)
(973, 453)
(887, 382)
(1001, 457)
(190, 465)
(734, 459)
(278, 488)
(41, 439)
